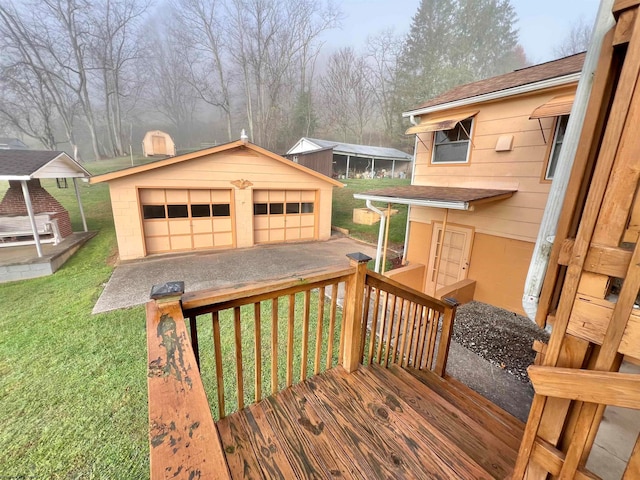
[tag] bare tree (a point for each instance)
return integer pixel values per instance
(382, 57)
(200, 28)
(576, 41)
(25, 42)
(114, 49)
(348, 95)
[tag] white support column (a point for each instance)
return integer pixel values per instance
(373, 167)
(84, 220)
(32, 218)
(393, 169)
(347, 174)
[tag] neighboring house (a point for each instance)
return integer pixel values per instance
(7, 143)
(156, 142)
(232, 195)
(348, 160)
(485, 159)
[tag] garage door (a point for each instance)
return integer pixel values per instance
(181, 220)
(284, 215)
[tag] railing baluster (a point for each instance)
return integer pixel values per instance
(341, 343)
(305, 335)
(332, 324)
(218, 357)
(239, 376)
(397, 331)
(422, 327)
(434, 320)
(391, 320)
(316, 363)
(402, 361)
(292, 316)
(383, 325)
(258, 351)
(274, 345)
(365, 320)
(193, 330)
(374, 326)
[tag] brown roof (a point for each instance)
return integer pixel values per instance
(466, 197)
(524, 76)
(26, 163)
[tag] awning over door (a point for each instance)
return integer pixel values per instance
(440, 123)
(560, 105)
(455, 198)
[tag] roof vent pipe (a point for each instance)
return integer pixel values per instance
(546, 234)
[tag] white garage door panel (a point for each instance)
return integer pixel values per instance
(182, 220)
(284, 215)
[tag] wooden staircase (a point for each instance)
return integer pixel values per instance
(373, 423)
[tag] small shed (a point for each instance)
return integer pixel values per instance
(350, 160)
(229, 196)
(156, 142)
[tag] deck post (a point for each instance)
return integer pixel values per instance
(352, 312)
(445, 336)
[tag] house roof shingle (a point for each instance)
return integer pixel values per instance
(517, 78)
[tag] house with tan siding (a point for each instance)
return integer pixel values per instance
(229, 196)
(485, 155)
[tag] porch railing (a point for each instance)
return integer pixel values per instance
(248, 341)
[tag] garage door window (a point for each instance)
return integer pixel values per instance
(177, 211)
(221, 210)
(200, 211)
(260, 208)
(307, 207)
(150, 212)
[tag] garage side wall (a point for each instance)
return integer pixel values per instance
(242, 171)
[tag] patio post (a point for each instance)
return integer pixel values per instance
(84, 220)
(32, 218)
(347, 174)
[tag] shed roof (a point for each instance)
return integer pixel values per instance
(367, 151)
(518, 78)
(456, 198)
(209, 151)
(28, 164)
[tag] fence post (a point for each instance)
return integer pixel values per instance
(445, 336)
(352, 312)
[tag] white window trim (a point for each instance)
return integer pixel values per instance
(553, 147)
(466, 160)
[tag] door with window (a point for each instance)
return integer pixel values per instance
(284, 215)
(177, 220)
(449, 256)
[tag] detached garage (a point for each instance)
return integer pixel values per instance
(229, 196)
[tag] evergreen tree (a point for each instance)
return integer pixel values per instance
(452, 42)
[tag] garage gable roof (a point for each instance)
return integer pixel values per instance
(209, 151)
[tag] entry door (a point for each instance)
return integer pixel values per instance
(454, 253)
(159, 145)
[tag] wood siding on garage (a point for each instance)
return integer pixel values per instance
(177, 220)
(241, 171)
(284, 215)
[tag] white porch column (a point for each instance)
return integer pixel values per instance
(32, 218)
(393, 168)
(373, 167)
(347, 175)
(84, 220)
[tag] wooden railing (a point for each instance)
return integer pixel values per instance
(248, 340)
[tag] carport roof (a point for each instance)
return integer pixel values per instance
(456, 198)
(28, 164)
(209, 151)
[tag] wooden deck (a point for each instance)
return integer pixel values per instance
(373, 423)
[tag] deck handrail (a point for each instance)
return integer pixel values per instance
(417, 334)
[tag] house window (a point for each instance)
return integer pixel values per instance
(452, 146)
(558, 138)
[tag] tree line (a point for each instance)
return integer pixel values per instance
(80, 74)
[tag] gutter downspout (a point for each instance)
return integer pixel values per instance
(548, 225)
(383, 219)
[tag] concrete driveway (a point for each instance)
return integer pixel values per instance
(131, 283)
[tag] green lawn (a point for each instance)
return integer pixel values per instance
(73, 385)
(344, 203)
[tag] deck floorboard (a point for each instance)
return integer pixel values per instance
(374, 423)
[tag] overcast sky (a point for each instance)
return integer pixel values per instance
(541, 23)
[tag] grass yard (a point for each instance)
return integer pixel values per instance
(344, 203)
(73, 385)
